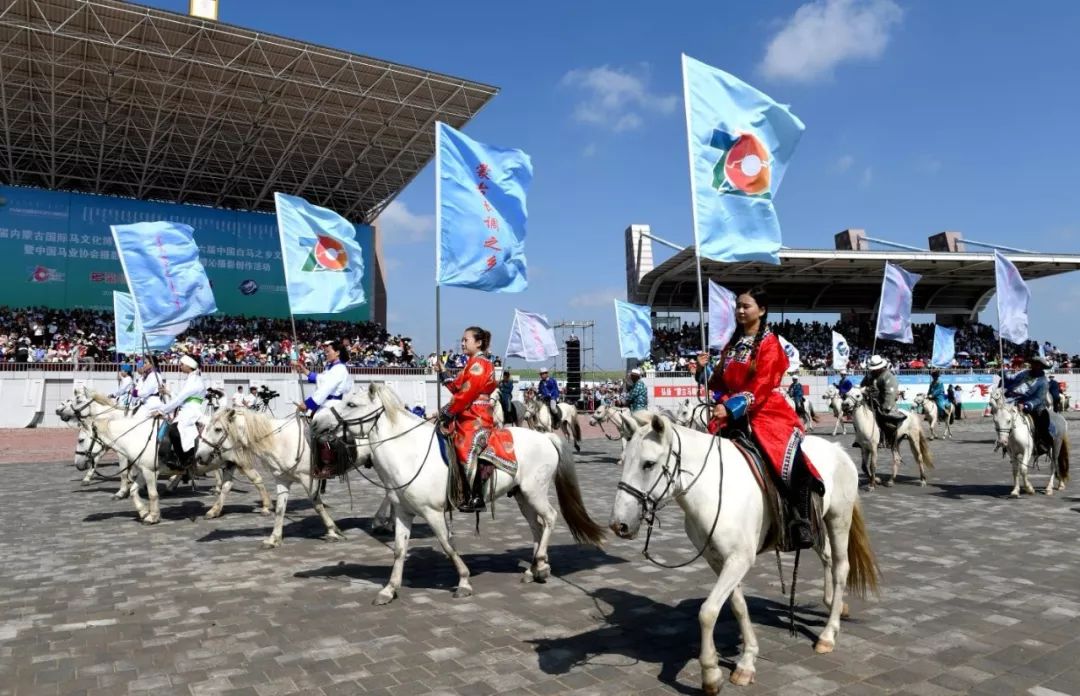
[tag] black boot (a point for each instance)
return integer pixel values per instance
(475, 503)
(802, 536)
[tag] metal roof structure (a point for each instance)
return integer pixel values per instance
(830, 281)
(109, 97)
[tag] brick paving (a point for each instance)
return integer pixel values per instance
(981, 596)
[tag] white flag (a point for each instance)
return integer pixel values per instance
(531, 338)
(840, 352)
(721, 315)
(794, 362)
(1012, 300)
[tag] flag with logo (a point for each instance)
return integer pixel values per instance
(164, 274)
(635, 330)
(792, 353)
(944, 346)
(1012, 300)
(324, 266)
(894, 307)
(721, 315)
(128, 331)
(840, 352)
(531, 338)
(481, 211)
(740, 144)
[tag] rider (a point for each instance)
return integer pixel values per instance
(468, 417)
(1055, 393)
(147, 390)
(704, 370)
(882, 390)
(187, 405)
(795, 391)
(844, 385)
(124, 387)
(1028, 390)
(331, 385)
(936, 392)
(506, 398)
(637, 399)
(549, 394)
(745, 383)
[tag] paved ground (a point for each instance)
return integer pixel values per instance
(981, 597)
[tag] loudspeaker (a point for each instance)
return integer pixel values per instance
(573, 370)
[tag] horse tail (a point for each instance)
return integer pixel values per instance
(924, 449)
(864, 575)
(582, 527)
(1063, 460)
(575, 427)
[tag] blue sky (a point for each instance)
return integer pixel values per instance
(921, 116)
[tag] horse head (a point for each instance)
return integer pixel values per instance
(684, 413)
(649, 476)
(853, 400)
(88, 448)
(1005, 417)
(601, 414)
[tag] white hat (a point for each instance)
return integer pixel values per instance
(877, 363)
(635, 371)
(190, 362)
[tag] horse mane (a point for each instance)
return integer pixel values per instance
(249, 430)
(100, 398)
(390, 401)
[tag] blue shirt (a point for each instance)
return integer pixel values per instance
(795, 392)
(844, 386)
(549, 389)
(937, 393)
(638, 397)
(1027, 390)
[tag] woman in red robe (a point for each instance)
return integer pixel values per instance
(469, 417)
(745, 388)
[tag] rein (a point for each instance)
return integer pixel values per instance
(371, 420)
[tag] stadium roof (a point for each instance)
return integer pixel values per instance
(115, 98)
(823, 280)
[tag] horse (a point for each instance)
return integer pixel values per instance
(85, 407)
(242, 437)
(539, 416)
(620, 417)
(729, 522)
(136, 441)
(808, 416)
(868, 435)
(693, 416)
(520, 413)
(836, 406)
(930, 412)
(1016, 437)
(406, 458)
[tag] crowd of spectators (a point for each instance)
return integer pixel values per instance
(82, 336)
(976, 346)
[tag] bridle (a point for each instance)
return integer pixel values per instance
(371, 420)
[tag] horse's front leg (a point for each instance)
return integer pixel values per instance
(869, 465)
(252, 475)
(383, 522)
(731, 574)
(403, 522)
(86, 480)
(136, 499)
(150, 476)
(1014, 459)
(281, 490)
(333, 533)
(1028, 456)
(895, 464)
(128, 478)
(437, 522)
(225, 477)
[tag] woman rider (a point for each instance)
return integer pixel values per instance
(187, 404)
(744, 384)
(468, 417)
(936, 391)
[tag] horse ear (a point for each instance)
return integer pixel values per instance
(231, 413)
(371, 390)
(659, 425)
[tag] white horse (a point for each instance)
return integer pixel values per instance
(242, 437)
(930, 412)
(836, 406)
(732, 523)
(519, 409)
(693, 416)
(82, 410)
(808, 416)
(625, 424)
(868, 434)
(1016, 436)
(406, 458)
(539, 416)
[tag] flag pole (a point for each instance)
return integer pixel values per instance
(438, 267)
(694, 216)
(292, 317)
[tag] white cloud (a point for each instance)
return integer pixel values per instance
(824, 33)
(867, 177)
(844, 163)
(616, 98)
(590, 150)
(596, 298)
(399, 225)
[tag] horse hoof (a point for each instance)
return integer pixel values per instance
(265, 512)
(1014, 494)
(212, 514)
(462, 592)
(334, 536)
(845, 611)
(84, 482)
(824, 646)
(271, 543)
(890, 483)
(922, 483)
(742, 677)
(527, 577)
(384, 598)
(151, 519)
(711, 689)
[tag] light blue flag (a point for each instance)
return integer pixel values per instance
(740, 144)
(635, 329)
(480, 202)
(129, 332)
(324, 265)
(944, 346)
(894, 308)
(1012, 300)
(721, 315)
(161, 264)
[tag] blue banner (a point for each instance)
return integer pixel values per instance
(635, 330)
(740, 144)
(129, 333)
(324, 266)
(944, 346)
(161, 263)
(481, 201)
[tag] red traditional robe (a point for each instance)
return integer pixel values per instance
(773, 422)
(473, 432)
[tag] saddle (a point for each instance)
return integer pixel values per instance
(329, 458)
(773, 490)
(487, 461)
(166, 454)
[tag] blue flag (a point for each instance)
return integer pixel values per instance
(324, 266)
(635, 329)
(480, 202)
(894, 308)
(161, 264)
(944, 346)
(129, 332)
(740, 144)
